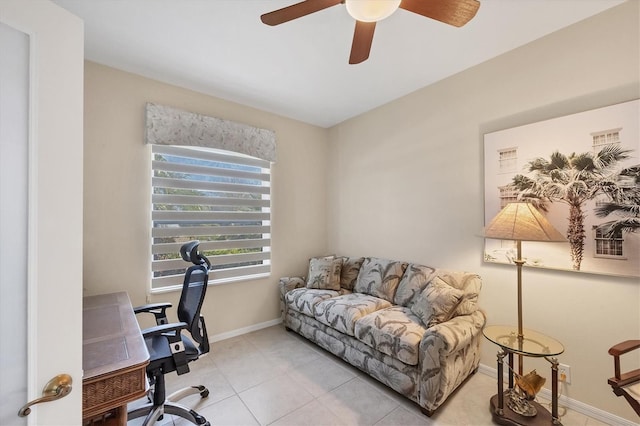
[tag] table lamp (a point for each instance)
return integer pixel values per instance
(521, 222)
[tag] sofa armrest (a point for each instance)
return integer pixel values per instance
(287, 284)
(455, 334)
(449, 353)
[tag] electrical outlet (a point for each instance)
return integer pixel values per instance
(564, 373)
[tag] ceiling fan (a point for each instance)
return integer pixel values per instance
(368, 12)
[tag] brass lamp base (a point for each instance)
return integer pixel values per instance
(520, 405)
(508, 417)
(526, 389)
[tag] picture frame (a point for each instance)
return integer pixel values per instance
(582, 171)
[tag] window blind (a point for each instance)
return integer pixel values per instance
(218, 197)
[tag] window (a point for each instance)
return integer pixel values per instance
(508, 159)
(508, 194)
(218, 197)
(608, 247)
(604, 138)
(211, 182)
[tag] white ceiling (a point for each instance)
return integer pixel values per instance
(300, 69)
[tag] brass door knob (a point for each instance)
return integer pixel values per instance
(56, 388)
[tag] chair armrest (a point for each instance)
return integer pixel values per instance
(174, 341)
(171, 331)
(151, 306)
(159, 311)
(621, 378)
(624, 347)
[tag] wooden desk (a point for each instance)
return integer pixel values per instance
(114, 358)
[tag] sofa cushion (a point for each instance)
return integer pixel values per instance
(437, 302)
(349, 274)
(342, 312)
(469, 283)
(324, 273)
(379, 277)
(303, 300)
(415, 279)
(395, 331)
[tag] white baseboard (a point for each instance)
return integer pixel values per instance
(572, 404)
(244, 330)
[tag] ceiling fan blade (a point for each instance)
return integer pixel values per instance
(297, 10)
(362, 39)
(452, 12)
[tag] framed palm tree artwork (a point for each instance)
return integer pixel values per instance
(582, 171)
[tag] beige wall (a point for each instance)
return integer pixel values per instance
(406, 182)
(117, 173)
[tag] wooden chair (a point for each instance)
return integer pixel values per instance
(626, 384)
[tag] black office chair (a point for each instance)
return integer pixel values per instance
(171, 350)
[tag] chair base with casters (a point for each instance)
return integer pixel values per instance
(627, 384)
(159, 406)
(171, 349)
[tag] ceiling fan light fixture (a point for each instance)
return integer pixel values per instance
(371, 10)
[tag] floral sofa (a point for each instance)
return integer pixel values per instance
(415, 328)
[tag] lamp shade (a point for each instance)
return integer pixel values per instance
(371, 10)
(521, 222)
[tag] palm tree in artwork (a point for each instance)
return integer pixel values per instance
(624, 203)
(572, 180)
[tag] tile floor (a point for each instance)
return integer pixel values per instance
(257, 379)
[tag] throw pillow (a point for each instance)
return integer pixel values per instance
(379, 277)
(437, 302)
(350, 268)
(324, 273)
(414, 280)
(469, 284)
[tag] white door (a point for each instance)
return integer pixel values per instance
(41, 107)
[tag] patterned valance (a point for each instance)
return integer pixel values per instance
(172, 126)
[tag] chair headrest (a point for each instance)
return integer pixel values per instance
(189, 252)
